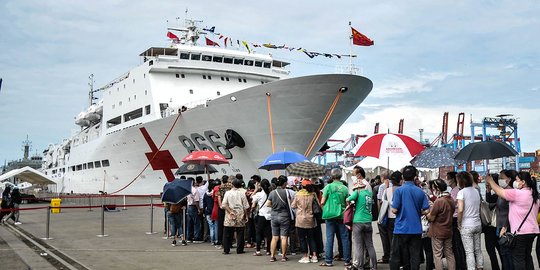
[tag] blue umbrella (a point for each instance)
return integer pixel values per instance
(280, 160)
(175, 191)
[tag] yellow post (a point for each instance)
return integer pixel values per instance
(54, 204)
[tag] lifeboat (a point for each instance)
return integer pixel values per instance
(81, 120)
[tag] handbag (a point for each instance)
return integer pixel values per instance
(348, 216)
(332, 208)
(507, 239)
(315, 206)
(485, 213)
(383, 213)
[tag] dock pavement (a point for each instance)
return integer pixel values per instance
(130, 243)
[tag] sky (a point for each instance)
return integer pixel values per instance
(430, 57)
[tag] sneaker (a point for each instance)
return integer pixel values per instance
(314, 260)
(174, 243)
(18, 223)
(184, 243)
(304, 260)
(198, 242)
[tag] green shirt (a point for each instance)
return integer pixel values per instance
(363, 201)
(340, 190)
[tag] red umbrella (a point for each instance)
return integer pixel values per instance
(398, 146)
(386, 144)
(205, 157)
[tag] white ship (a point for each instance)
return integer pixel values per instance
(186, 97)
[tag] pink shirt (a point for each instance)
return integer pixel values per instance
(520, 203)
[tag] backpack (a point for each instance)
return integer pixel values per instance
(175, 208)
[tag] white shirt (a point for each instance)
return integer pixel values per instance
(471, 207)
(260, 198)
(202, 190)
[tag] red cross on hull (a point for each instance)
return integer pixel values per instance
(162, 160)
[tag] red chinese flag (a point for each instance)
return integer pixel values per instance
(209, 42)
(171, 35)
(360, 39)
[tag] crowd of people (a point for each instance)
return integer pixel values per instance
(438, 223)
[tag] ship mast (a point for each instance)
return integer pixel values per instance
(91, 97)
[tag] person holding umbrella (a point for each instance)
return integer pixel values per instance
(523, 200)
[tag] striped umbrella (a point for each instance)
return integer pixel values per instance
(306, 169)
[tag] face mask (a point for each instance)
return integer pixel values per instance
(516, 185)
(503, 184)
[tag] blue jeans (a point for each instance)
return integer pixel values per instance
(175, 223)
(212, 227)
(193, 230)
(336, 226)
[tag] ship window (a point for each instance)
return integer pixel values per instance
(258, 63)
(147, 109)
(239, 80)
(222, 78)
(134, 96)
(191, 91)
(244, 80)
(177, 75)
(105, 163)
(238, 61)
(113, 122)
(227, 78)
(207, 58)
(124, 86)
(129, 99)
(218, 93)
(133, 80)
(133, 115)
(151, 62)
(227, 60)
(209, 77)
(109, 92)
(195, 57)
(97, 164)
(184, 56)
(262, 82)
(79, 167)
(120, 103)
(146, 92)
(90, 165)
(84, 166)
(72, 168)
(266, 65)
(204, 77)
(113, 106)
(248, 62)
(218, 59)
(183, 76)
(144, 75)
(117, 89)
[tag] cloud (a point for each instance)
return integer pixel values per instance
(418, 84)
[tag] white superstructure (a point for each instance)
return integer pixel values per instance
(213, 90)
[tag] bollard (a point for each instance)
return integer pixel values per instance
(102, 222)
(89, 203)
(151, 216)
(47, 224)
(124, 203)
(184, 234)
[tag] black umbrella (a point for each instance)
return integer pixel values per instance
(436, 157)
(195, 169)
(485, 150)
(175, 191)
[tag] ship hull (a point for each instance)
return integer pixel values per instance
(282, 115)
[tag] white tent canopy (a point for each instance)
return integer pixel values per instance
(29, 175)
